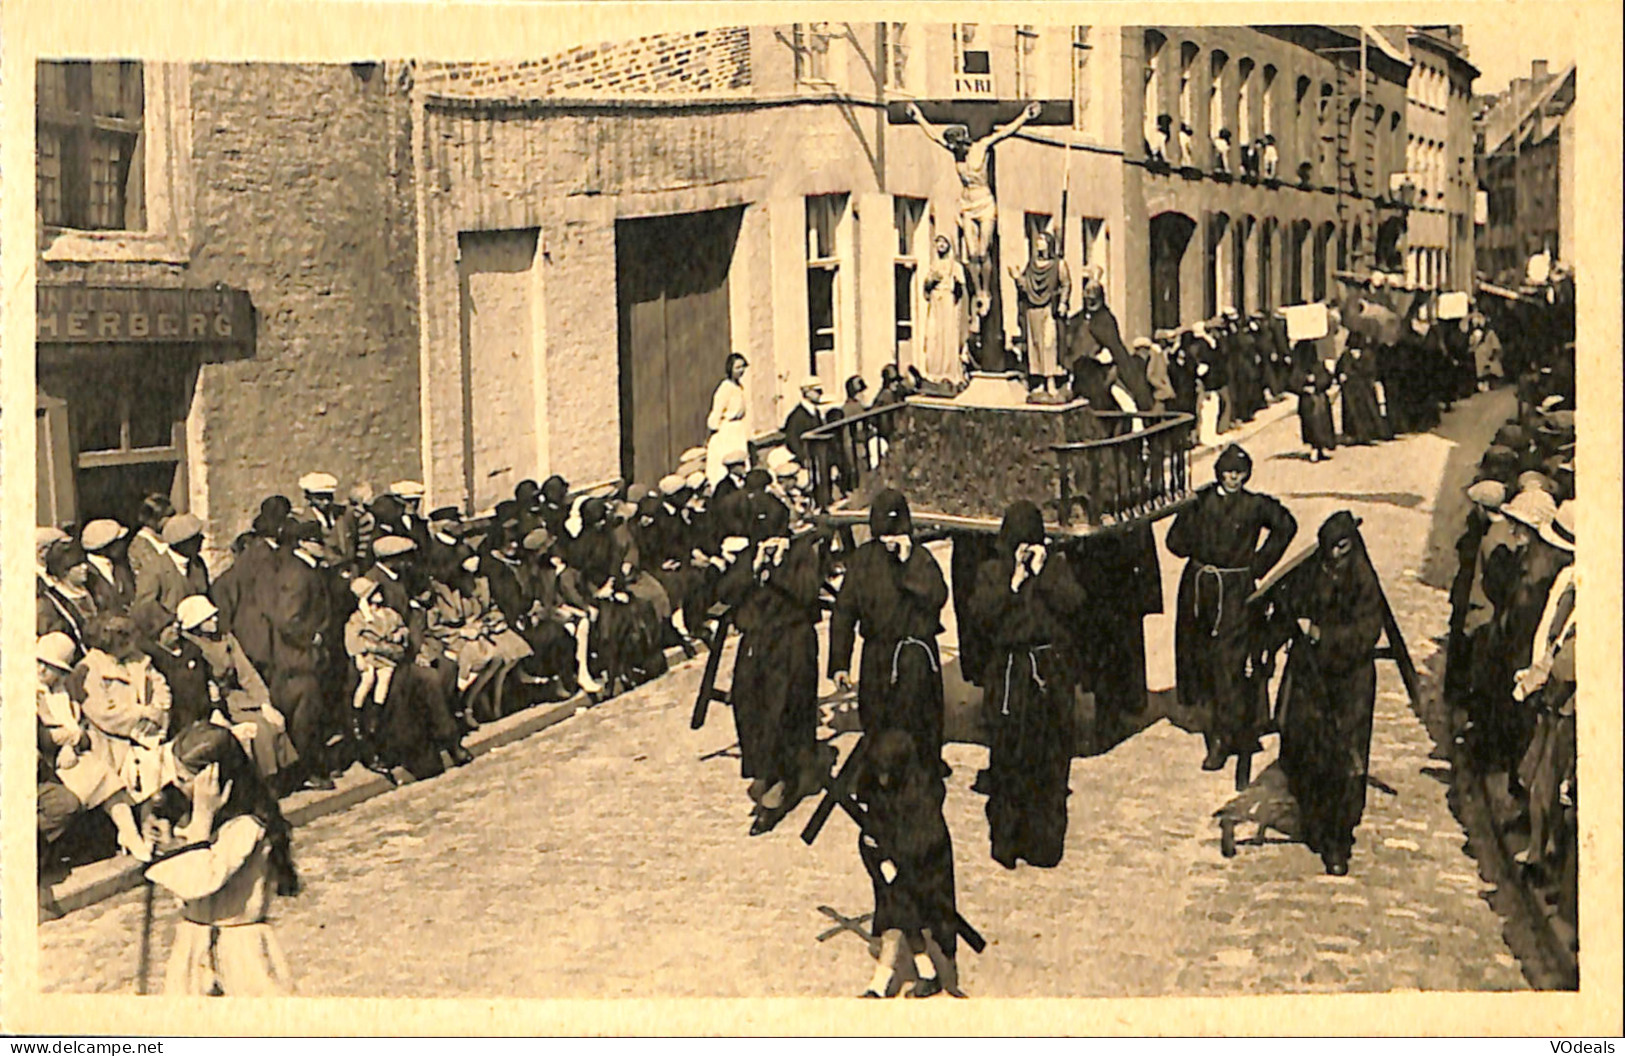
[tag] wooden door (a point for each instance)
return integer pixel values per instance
(675, 332)
(500, 423)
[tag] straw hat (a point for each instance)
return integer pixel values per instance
(1559, 531)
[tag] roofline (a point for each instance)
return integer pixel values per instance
(1445, 48)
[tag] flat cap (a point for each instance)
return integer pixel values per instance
(671, 484)
(318, 484)
(181, 527)
(407, 489)
(1488, 493)
(99, 535)
(393, 546)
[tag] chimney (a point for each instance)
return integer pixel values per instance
(1537, 70)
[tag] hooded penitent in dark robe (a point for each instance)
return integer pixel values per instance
(1182, 364)
(1315, 410)
(1027, 691)
(1246, 378)
(1093, 329)
(775, 682)
(1329, 690)
(1362, 419)
(902, 801)
(1220, 534)
(897, 606)
(1124, 567)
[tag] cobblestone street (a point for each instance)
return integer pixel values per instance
(606, 857)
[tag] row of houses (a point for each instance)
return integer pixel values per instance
(474, 273)
(1526, 138)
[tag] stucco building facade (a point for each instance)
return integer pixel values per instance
(1439, 160)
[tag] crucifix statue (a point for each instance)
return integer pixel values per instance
(978, 215)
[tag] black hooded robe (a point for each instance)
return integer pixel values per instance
(1328, 696)
(1028, 685)
(1219, 534)
(897, 606)
(1362, 418)
(903, 824)
(775, 682)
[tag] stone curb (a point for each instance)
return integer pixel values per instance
(99, 881)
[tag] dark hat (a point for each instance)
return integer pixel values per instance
(63, 555)
(889, 514)
(1023, 523)
(1339, 526)
(594, 511)
(1512, 436)
(757, 479)
(1233, 459)
(555, 490)
(387, 508)
(854, 385)
(769, 518)
(445, 513)
(649, 505)
(276, 506)
(294, 530)
(526, 490)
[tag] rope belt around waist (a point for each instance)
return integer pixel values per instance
(1009, 666)
(1217, 574)
(930, 654)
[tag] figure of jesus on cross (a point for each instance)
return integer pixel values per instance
(978, 214)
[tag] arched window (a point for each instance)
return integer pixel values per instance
(1246, 130)
(1267, 110)
(1216, 121)
(1151, 97)
(1170, 239)
(1323, 143)
(1216, 271)
(1186, 132)
(1301, 124)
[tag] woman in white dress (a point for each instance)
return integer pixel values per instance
(726, 421)
(225, 861)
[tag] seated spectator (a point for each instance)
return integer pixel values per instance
(112, 584)
(238, 687)
(62, 598)
(124, 698)
(77, 771)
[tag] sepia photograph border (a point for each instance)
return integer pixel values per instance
(342, 31)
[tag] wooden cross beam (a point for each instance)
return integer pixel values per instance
(852, 924)
(980, 115)
(708, 681)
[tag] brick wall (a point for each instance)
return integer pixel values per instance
(303, 197)
(693, 63)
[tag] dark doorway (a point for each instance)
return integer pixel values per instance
(675, 331)
(1170, 237)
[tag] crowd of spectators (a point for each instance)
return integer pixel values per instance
(1510, 676)
(363, 632)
